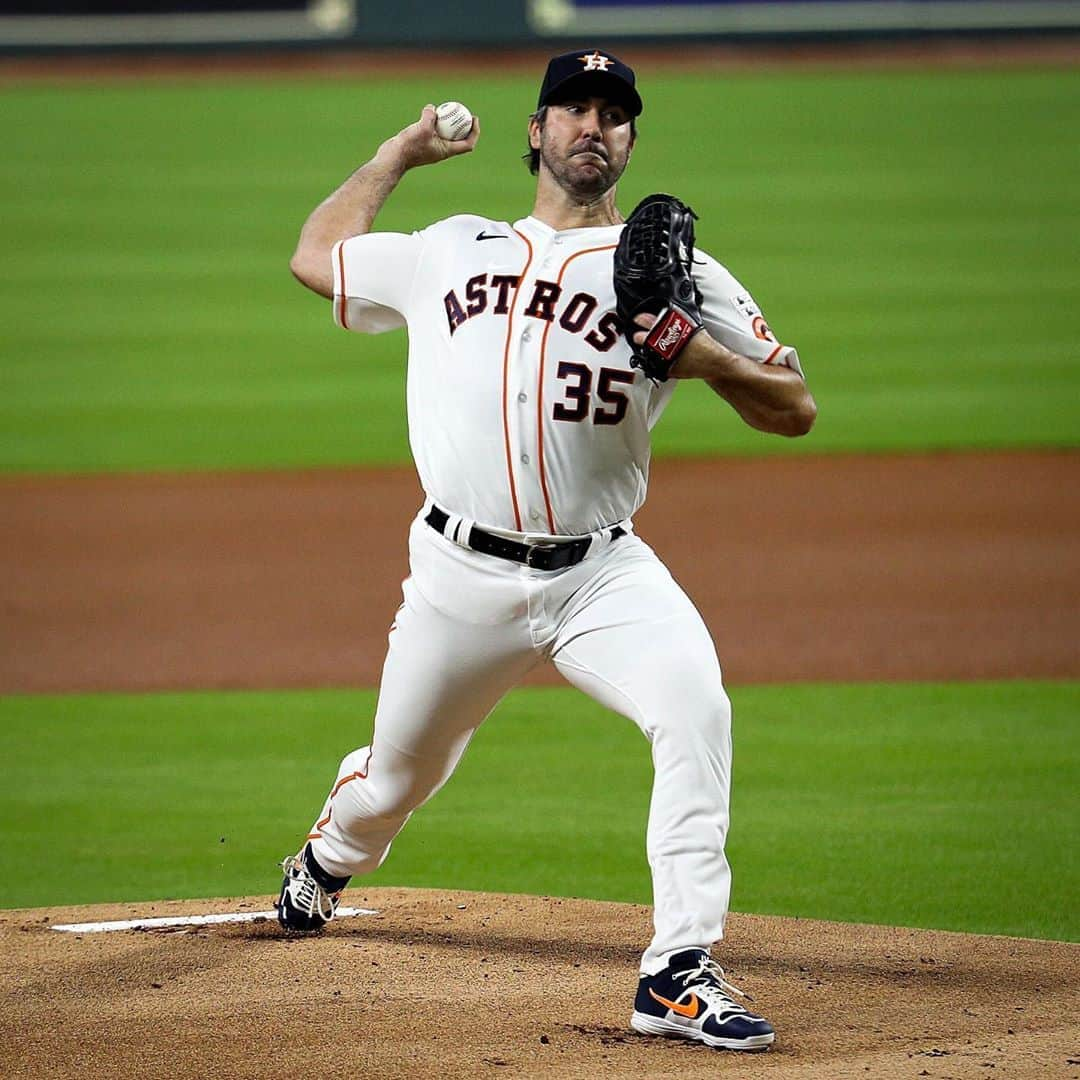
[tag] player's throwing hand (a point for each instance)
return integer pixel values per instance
(420, 143)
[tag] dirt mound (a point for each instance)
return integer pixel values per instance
(457, 984)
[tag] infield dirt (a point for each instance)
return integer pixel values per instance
(948, 566)
(444, 984)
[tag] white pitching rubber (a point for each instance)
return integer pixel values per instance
(188, 920)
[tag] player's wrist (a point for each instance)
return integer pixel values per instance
(703, 357)
(393, 157)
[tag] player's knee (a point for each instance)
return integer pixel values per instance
(703, 716)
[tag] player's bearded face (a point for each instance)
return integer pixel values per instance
(585, 146)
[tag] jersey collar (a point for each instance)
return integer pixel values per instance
(598, 233)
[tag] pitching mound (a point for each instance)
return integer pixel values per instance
(449, 984)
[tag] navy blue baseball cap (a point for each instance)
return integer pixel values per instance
(589, 71)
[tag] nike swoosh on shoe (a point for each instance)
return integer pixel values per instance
(690, 1010)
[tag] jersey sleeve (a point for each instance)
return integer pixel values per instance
(373, 280)
(734, 319)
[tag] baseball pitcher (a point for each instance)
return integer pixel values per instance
(541, 353)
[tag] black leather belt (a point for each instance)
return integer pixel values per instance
(542, 556)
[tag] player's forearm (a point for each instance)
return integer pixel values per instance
(349, 211)
(772, 399)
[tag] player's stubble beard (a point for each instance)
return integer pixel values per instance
(578, 173)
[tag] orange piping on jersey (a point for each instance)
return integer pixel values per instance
(506, 371)
(317, 835)
(540, 389)
(769, 358)
(344, 302)
(347, 779)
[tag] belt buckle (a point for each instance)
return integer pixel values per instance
(530, 548)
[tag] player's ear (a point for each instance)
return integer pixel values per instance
(536, 127)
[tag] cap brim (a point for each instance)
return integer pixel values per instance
(600, 83)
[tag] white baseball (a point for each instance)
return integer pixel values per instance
(452, 121)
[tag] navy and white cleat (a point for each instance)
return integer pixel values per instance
(309, 895)
(690, 999)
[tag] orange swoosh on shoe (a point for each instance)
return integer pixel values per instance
(690, 1010)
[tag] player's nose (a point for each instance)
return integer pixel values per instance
(589, 123)
(596, 127)
(592, 140)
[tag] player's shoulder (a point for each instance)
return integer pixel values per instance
(463, 227)
(722, 291)
(706, 265)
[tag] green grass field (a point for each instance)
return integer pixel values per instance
(913, 233)
(918, 805)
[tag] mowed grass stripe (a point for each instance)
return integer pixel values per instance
(950, 806)
(913, 233)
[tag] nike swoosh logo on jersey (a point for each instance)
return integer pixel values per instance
(690, 1010)
(481, 235)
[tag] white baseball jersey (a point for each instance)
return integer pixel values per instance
(525, 415)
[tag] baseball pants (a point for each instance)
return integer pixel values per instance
(618, 627)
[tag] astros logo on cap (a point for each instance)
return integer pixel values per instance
(595, 62)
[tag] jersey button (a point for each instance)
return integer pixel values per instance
(536, 515)
(526, 333)
(523, 398)
(524, 459)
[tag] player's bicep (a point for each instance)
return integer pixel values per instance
(735, 320)
(373, 279)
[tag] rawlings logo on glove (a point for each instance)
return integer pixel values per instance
(653, 263)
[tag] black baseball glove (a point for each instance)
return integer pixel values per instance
(653, 274)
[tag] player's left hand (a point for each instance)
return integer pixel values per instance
(691, 363)
(652, 271)
(644, 320)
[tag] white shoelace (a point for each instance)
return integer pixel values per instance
(306, 893)
(713, 987)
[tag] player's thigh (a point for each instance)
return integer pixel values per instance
(634, 641)
(442, 676)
